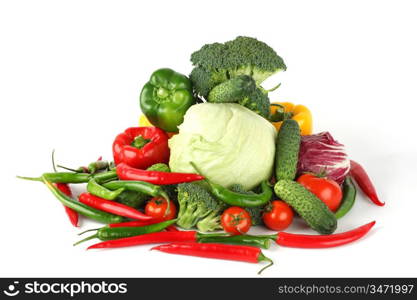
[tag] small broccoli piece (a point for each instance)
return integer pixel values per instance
(159, 167)
(204, 81)
(216, 63)
(198, 207)
(232, 90)
(210, 223)
(254, 212)
(170, 189)
(258, 102)
(132, 198)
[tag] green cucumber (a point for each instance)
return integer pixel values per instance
(232, 90)
(288, 146)
(307, 205)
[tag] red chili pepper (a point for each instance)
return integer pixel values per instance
(362, 179)
(220, 251)
(125, 172)
(141, 147)
(112, 207)
(135, 223)
(322, 241)
(149, 238)
(72, 214)
(172, 228)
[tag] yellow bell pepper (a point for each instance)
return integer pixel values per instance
(286, 110)
(143, 122)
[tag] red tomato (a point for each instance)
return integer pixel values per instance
(326, 190)
(279, 216)
(236, 220)
(157, 206)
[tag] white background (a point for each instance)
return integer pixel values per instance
(71, 73)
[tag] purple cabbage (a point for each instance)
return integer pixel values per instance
(321, 153)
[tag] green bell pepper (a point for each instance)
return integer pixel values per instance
(165, 99)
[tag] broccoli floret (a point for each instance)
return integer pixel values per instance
(254, 212)
(210, 223)
(159, 167)
(170, 189)
(254, 58)
(197, 207)
(258, 102)
(132, 198)
(204, 81)
(216, 63)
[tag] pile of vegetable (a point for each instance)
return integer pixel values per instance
(213, 154)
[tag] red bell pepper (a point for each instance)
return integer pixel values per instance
(141, 147)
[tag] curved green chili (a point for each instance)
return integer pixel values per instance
(82, 208)
(112, 233)
(238, 199)
(349, 196)
(137, 186)
(100, 191)
(69, 177)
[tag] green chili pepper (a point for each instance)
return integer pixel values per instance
(239, 199)
(165, 99)
(100, 191)
(98, 166)
(69, 177)
(247, 240)
(112, 233)
(81, 208)
(137, 186)
(349, 196)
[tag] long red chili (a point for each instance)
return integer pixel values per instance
(322, 241)
(362, 179)
(125, 172)
(149, 238)
(72, 214)
(112, 207)
(220, 251)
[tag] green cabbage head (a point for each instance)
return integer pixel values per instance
(228, 142)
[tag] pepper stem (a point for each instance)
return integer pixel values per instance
(86, 239)
(88, 230)
(274, 88)
(262, 257)
(80, 170)
(139, 142)
(53, 160)
(30, 178)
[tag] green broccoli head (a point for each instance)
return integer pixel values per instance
(242, 56)
(198, 206)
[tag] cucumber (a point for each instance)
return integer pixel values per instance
(288, 146)
(307, 205)
(232, 90)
